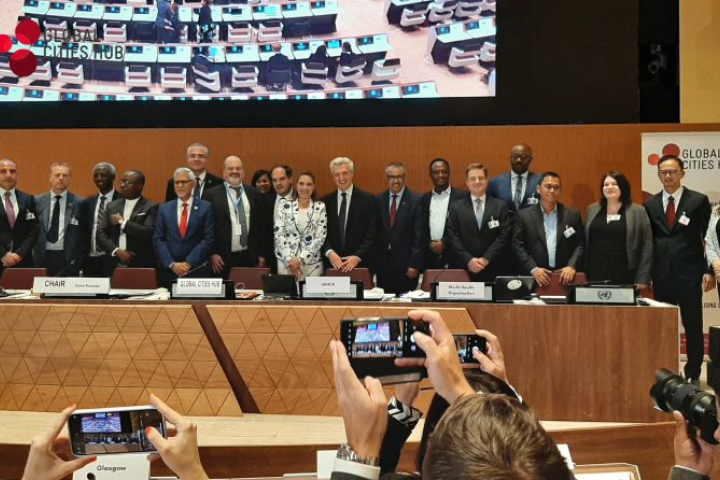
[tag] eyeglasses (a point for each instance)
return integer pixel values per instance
(182, 183)
(551, 187)
(671, 172)
(395, 178)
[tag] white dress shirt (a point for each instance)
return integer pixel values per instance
(513, 184)
(439, 204)
(189, 202)
(348, 197)
(127, 211)
(665, 196)
(200, 181)
(397, 199)
(234, 219)
(60, 244)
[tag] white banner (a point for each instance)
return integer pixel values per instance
(700, 153)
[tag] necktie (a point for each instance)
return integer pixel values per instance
(670, 212)
(183, 220)
(98, 220)
(198, 188)
(393, 211)
(479, 212)
(54, 231)
(9, 210)
(242, 219)
(517, 199)
(341, 217)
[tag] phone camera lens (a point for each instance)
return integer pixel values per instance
(91, 476)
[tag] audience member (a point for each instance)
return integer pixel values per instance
(679, 219)
(184, 232)
(435, 205)
(61, 247)
(400, 239)
(242, 232)
(618, 237)
(518, 187)
(278, 69)
(163, 13)
(352, 220)
(478, 229)
(97, 259)
(320, 56)
(19, 225)
(550, 236)
(206, 26)
(300, 229)
(197, 157)
(346, 55)
(172, 26)
(128, 227)
(261, 181)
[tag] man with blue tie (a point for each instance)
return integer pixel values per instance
(62, 243)
(19, 225)
(518, 187)
(184, 232)
(477, 233)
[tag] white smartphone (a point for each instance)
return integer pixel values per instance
(102, 431)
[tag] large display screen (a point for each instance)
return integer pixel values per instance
(149, 50)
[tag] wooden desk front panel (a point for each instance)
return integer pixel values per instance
(53, 355)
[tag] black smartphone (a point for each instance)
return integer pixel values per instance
(373, 344)
(465, 344)
(102, 431)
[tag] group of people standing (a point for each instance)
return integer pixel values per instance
(512, 224)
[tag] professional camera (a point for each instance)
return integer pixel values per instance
(671, 393)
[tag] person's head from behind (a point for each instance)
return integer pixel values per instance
(321, 50)
(346, 47)
(492, 437)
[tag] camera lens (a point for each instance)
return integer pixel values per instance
(91, 476)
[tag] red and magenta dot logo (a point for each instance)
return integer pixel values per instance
(22, 62)
(669, 149)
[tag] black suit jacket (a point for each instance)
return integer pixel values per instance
(679, 252)
(21, 239)
(361, 227)
(76, 227)
(259, 237)
(404, 241)
(139, 232)
(529, 244)
(210, 181)
(465, 240)
(90, 205)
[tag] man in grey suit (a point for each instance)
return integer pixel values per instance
(62, 242)
(128, 227)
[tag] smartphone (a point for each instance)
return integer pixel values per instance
(373, 344)
(465, 344)
(103, 431)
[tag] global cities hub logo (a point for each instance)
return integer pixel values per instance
(669, 149)
(22, 62)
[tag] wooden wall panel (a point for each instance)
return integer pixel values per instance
(578, 152)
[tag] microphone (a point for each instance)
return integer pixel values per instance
(202, 265)
(66, 268)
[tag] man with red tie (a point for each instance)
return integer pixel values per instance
(19, 226)
(184, 232)
(679, 219)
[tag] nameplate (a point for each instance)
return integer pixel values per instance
(132, 466)
(468, 291)
(328, 285)
(603, 295)
(198, 287)
(71, 286)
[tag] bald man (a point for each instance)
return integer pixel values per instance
(19, 226)
(518, 187)
(242, 229)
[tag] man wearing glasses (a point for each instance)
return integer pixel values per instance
(518, 187)
(128, 226)
(679, 218)
(549, 237)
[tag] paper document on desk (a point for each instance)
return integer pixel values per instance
(374, 294)
(418, 295)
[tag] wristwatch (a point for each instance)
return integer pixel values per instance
(347, 453)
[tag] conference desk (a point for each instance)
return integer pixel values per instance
(574, 363)
(442, 38)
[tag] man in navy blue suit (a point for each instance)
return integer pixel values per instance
(518, 187)
(19, 226)
(184, 232)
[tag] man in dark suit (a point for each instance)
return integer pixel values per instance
(62, 243)
(435, 205)
(184, 232)
(104, 178)
(550, 236)
(19, 224)
(352, 221)
(242, 231)
(679, 219)
(518, 187)
(400, 243)
(198, 156)
(478, 229)
(278, 69)
(128, 227)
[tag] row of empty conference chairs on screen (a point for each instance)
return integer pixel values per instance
(420, 14)
(251, 278)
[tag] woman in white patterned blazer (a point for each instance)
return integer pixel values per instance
(300, 230)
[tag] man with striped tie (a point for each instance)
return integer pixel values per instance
(104, 180)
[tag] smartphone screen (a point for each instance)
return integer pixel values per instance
(465, 344)
(382, 337)
(121, 430)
